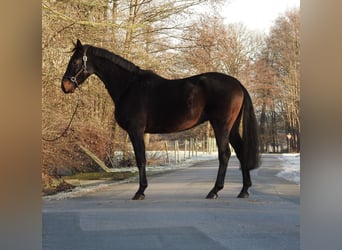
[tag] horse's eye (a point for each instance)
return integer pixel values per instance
(77, 62)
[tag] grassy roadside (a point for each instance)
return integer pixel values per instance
(55, 185)
(114, 176)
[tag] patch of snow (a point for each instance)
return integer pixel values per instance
(290, 167)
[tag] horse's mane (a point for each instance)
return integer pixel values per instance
(118, 60)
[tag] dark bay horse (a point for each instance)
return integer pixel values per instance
(148, 103)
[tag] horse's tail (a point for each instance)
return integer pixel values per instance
(250, 135)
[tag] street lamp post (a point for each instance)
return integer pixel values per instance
(288, 137)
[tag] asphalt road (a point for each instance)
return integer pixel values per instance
(176, 215)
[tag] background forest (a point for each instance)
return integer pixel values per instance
(174, 38)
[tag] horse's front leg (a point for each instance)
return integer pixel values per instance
(140, 157)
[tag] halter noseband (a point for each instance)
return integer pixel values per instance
(83, 69)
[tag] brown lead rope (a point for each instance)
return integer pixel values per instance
(69, 124)
(74, 80)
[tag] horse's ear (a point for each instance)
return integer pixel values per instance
(78, 44)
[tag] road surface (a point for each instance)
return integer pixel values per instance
(176, 215)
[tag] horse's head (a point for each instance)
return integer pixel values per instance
(78, 69)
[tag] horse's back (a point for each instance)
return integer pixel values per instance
(201, 86)
(218, 83)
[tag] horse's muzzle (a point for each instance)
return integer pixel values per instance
(68, 86)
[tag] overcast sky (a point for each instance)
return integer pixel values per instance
(256, 14)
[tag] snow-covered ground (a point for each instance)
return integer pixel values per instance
(291, 167)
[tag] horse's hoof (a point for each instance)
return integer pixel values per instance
(243, 195)
(138, 197)
(212, 196)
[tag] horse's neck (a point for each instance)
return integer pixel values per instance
(115, 79)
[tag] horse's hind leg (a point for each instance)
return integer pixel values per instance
(222, 140)
(236, 142)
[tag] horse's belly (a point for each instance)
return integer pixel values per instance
(174, 123)
(176, 111)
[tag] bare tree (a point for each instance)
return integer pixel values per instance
(283, 56)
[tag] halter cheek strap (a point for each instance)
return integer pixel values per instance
(85, 59)
(83, 69)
